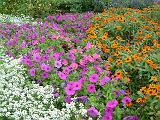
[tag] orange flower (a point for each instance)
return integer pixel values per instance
(119, 61)
(105, 33)
(118, 38)
(143, 90)
(154, 66)
(139, 100)
(154, 78)
(114, 45)
(104, 37)
(158, 87)
(148, 35)
(127, 59)
(118, 27)
(151, 92)
(110, 59)
(129, 104)
(157, 45)
(158, 33)
(135, 57)
(149, 61)
(118, 73)
(152, 86)
(139, 32)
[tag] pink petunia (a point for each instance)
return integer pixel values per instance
(74, 66)
(93, 78)
(32, 72)
(90, 59)
(28, 62)
(55, 56)
(64, 62)
(88, 46)
(72, 51)
(112, 103)
(69, 90)
(95, 56)
(77, 85)
(67, 39)
(58, 64)
(45, 67)
(66, 70)
(44, 75)
(91, 88)
(36, 57)
(62, 75)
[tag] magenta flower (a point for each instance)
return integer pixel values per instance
(92, 112)
(58, 64)
(77, 85)
(28, 62)
(105, 117)
(66, 70)
(82, 62)
(112, 103)
(88, 46)
(69, 90)
(44, 75)
(67, 99)
(91, 88)
(82, 80)
(32, 72)
(95, 56)
(62, 75)
(64, 62)
(74, 66)
(104, 80)
(45, 58)
(55, 56)
(46, 68)
(90, 59)
(93, 78)
(36, 57)
(126, 99)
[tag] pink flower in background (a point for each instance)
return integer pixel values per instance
(126, 99)
(112, 103)
(44, 75)
(82, 62)
(91, 88)
(41, 39)
(67, 39)
(93, 78)
(62, 75)
(74, 66)
(57, 64)
(32, 72)
(92, 112)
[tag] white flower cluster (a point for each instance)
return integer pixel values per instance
(22, 100)
(14, 19)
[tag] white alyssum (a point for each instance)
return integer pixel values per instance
(22, 100)
(17, 20)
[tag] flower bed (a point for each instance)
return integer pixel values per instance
(112, 69)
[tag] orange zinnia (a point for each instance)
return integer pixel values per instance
(154, 78)
(149, 61)
(135, 57)
(127, 59)
(154, 66)
(119, 61)
(158, 87)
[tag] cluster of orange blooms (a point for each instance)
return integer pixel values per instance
(127, 53)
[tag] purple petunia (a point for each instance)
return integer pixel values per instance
(126, 99)
(92, 112)
(93, 78)
(44, 75)
(91, 88)
(62, 75)
(112, 103)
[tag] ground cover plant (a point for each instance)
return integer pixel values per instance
(108, 63)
